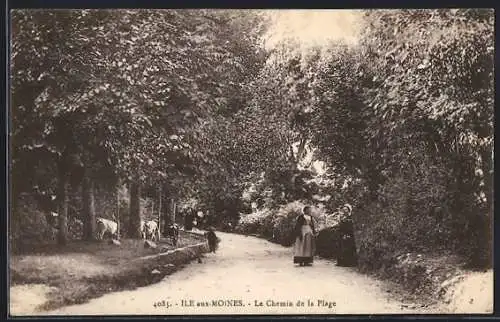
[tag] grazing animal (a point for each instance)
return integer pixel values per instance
(150, 229)
(213, 240)
(106, 227)
(172, 231)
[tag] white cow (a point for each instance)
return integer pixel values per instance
(106, 226)
(150, 229)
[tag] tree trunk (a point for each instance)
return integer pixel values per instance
(62, 196)
(134, 229)
(152, 208)
(301, 150)
(88, 208)
(172, 212)
(118, 215)
(159, 212)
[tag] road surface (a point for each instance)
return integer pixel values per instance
(251, 276)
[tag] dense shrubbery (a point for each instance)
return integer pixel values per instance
(327, 242)
(29, 226)
(274, 224)
(284, 223)
(421, 210)
(252, 224)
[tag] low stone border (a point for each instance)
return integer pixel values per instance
(173, 251)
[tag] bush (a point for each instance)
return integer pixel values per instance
(75, 228)
(478, 245)
(284, 223)
(266, 228)
(428, 207)
(327, 242)
(28, 226)
(252, 224)
(278, 226)
(275, 225)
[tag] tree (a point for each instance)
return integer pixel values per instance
(436, 88)
(149, 78)
(384, 111)
(42, 70)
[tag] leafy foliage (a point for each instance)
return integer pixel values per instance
(407, 110)
(129, 107)
(190, 100)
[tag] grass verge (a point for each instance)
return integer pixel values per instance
(82, 271)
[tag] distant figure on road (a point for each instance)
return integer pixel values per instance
(189, 220)
(209, 219)
(199, 220)
(303, 251)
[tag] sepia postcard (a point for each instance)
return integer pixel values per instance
(251, 162)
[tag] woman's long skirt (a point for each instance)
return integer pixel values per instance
(303, 251)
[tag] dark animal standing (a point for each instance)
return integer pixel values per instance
(213, 240)
(172, 231)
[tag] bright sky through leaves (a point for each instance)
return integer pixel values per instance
(313, 27)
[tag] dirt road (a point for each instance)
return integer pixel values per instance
(250, 276)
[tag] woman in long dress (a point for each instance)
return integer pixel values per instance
(304, 248)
